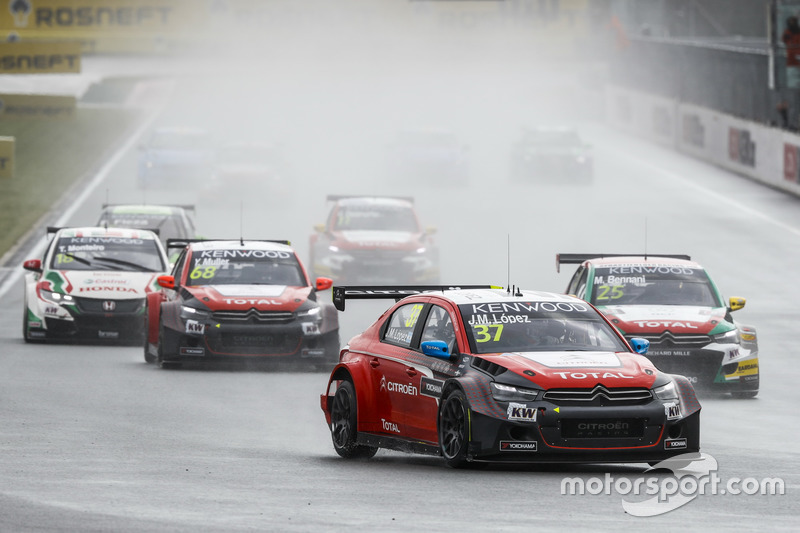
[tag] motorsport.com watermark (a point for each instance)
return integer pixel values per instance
(694, 474)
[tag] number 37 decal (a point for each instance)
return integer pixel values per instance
(482, 333)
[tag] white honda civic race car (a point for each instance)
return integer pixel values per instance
(91, 284)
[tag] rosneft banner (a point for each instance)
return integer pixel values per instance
(7, 157)
(102, 25)
(15, 106)
(40, 58)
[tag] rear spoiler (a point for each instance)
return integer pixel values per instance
(337, 197)
(188, 207)
(54, 229)
(381, 292)
(183, 243)
(576, 259)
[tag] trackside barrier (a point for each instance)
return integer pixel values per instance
(766, 154)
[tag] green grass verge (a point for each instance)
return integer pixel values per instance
(51, 155)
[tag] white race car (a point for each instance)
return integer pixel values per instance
(91, 284)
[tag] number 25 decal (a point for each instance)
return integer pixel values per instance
(483, 335)
(603, 290)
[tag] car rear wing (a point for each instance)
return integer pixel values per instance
(381, 292)
(55, 229)
(187, 207)
(183, 243)
(337, 197)
(577, 259)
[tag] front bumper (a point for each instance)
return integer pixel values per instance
(278, 342)
(709, 369)
(85, 319)
(629, 434)
(378, 270)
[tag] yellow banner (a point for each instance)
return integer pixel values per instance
(40, 58)
(36, 106)
(7, 157)
(85, 17)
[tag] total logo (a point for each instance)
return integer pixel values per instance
(584, 375)
(664, 324)
(389, 426)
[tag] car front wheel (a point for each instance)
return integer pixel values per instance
(453, 429)
(344, 425)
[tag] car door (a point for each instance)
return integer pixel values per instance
(390, 373)
(426, 375)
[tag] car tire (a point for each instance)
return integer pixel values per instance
(454, 429)
(332, 345)
(167, 365)
(344, 424)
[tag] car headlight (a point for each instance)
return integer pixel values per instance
(666, 392)
(191, 312)
(510, 393)
(56, 297)
(727, 337)
(309, 313)
(333, 248)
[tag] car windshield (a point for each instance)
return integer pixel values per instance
(167, 226)
(500, 327)
(653, 285)
(245, 267)
(107, 253)
(373, 217)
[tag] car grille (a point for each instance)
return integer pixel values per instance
(283, 343)
(668, 339)
(96, 305)
(599, 395)
(603, 428)
(253, 316)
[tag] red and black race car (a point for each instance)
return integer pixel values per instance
(486, 375)
(240, 300)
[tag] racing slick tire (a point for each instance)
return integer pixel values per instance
(333, 346)
(344, 433)
(453, 429)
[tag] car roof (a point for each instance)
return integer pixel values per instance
(642, 260)
(142, 209)
(92, 231)
(374, 201)
(245, 245)
(479, 296)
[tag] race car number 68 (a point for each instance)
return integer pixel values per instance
(203, 272)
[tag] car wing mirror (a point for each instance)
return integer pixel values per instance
(430, 230)
(34, 265)
(323, 284)
(735, 303)
(319, 228)
(640, 345)
(166, 282)
(437, 349)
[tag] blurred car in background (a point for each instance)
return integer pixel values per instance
(91, 284)
(671, 301)
(478, 374)
(251, 167)
(547, 153)
(168, 221)
(433, 157)
(374, 239)
(174, 156)
(243, 301)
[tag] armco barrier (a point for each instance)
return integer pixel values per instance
(766, 154)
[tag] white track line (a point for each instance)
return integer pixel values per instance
(101, 175)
